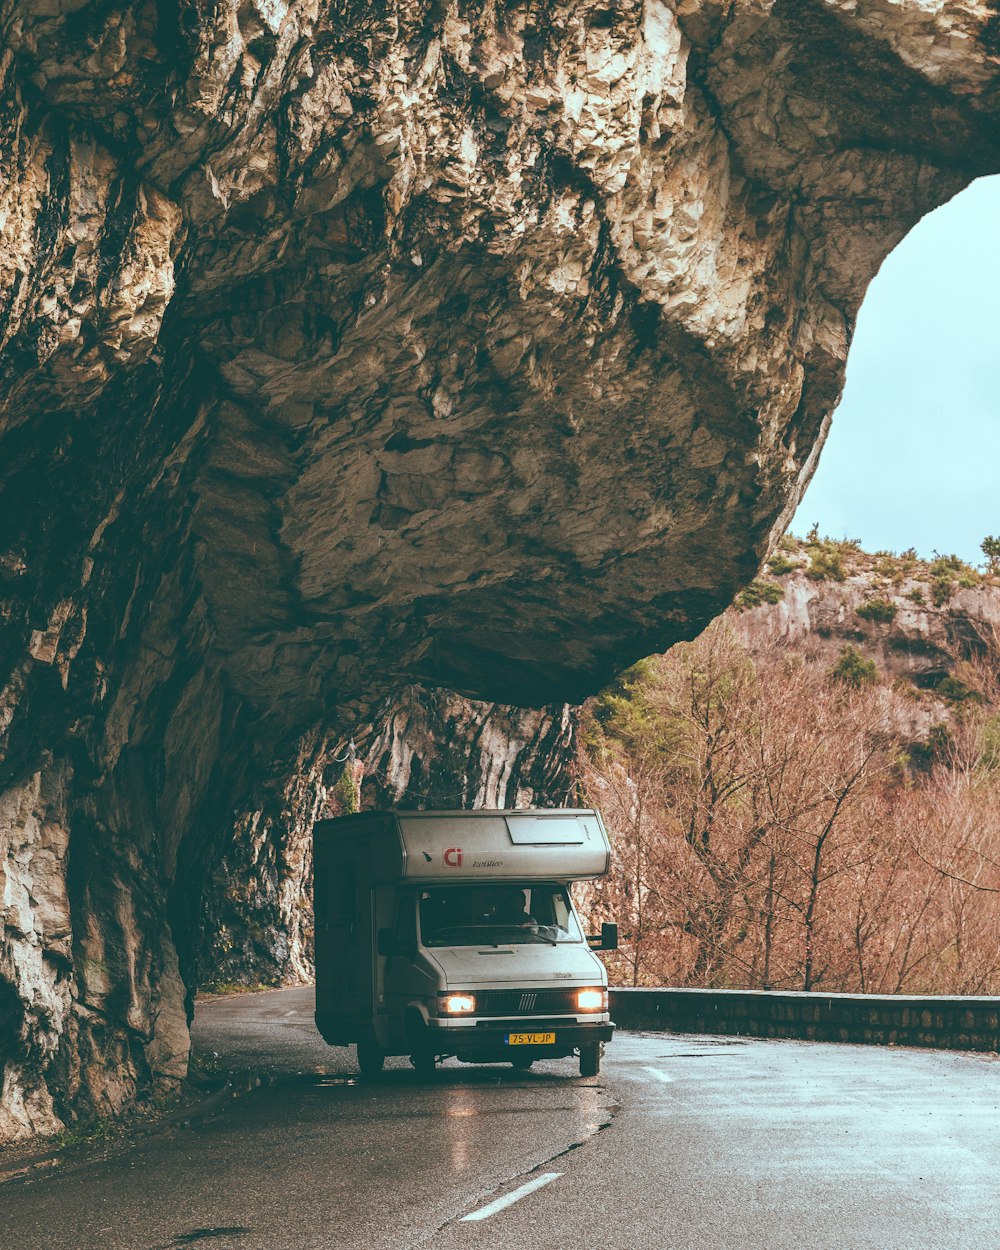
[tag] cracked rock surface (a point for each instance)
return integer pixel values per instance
(346, 346)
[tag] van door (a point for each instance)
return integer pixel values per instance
(338, 953)
(405, 980)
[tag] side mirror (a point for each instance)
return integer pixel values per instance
(386, 942)
(606, 940)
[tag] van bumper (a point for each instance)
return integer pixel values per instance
(488, 1042)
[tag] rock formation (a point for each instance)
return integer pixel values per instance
(486, 346)
(928, 628)
(425, 749)
(915, 619)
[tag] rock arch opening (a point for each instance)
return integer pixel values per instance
(909, 460)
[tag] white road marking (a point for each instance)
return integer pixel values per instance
(660, 1075)
(514, 1196)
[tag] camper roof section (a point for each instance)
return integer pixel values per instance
(528, 844)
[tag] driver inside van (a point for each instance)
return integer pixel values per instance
(510, 908)
(501, 912)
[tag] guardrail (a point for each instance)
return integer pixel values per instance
(951, 1023)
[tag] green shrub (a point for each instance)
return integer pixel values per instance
(881, 610)
(759, 591)
(87, 1133)
(232, 987)
(824, 564)
(789, 543)
(916, 594)
(948, 566)
(941, 591)
(779, 564)
(939, 739)
(853, 669)
(956, 691)
(945, 571)
(346, 792)
(844, 546)
(624, 712)
(886, 564)
(990, 744)
(935, 745)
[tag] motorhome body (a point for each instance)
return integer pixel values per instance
(453, 933)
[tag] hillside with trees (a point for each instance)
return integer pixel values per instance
(808, 795)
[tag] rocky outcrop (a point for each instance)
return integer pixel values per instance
(91, 998)
(437, 750)
(485, 346)
(425, 749)
(916, 620)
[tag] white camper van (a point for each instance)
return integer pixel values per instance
(453, 933)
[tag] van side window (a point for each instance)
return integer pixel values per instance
(406, 922)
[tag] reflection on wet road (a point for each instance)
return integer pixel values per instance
(682, 1143)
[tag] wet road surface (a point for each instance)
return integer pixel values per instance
(684, 1143)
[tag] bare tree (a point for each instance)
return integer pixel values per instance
(768, 832)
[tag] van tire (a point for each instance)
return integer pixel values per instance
(371, 1057)
(521, 1064)
(422, 1054)
(590, 1059)
(424, 1061)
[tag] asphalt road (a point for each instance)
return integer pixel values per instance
(682, 1143)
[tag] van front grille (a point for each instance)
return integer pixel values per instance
(537, 1024)
(525, 1002)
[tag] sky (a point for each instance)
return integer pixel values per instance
(913, 457)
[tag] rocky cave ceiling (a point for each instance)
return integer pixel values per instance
(485, 344)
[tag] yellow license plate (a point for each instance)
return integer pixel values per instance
(531, 1039)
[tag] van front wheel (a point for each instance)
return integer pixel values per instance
(424, 1061)
(371, 1057)
(590, 1059)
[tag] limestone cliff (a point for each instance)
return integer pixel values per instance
(347, 346)
(931, 628)
(915, 619)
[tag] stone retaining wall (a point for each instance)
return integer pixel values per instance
(953, 1023)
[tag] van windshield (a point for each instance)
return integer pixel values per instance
(504, 914)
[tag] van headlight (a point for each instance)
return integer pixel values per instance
(592, 1000)
(457, 1004)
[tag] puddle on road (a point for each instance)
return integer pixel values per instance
(204, 1234)
(720, 1041)
(707, 1049)
(324, 1082)
(697, 1054)
(327, 1080)
(441, 1078)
